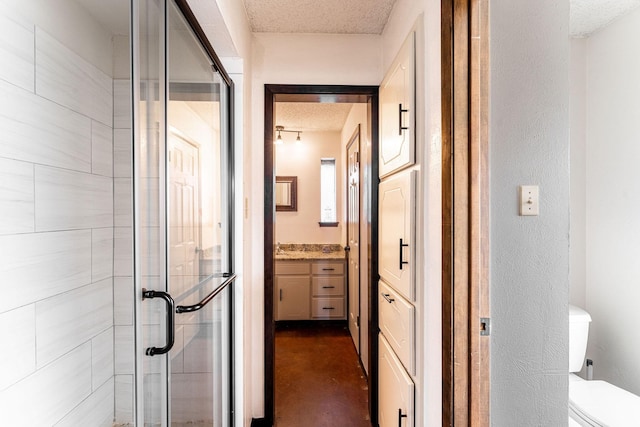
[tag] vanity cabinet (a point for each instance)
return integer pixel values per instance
(397, 112)
(309, 290)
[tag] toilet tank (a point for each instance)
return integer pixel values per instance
(578, 333)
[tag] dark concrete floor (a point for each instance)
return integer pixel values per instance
(318, 379)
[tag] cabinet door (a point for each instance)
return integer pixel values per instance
(396, 390)
(397, 320)
(293, 298)
(396, 239)
(397, 111)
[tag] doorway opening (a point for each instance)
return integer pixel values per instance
(367, 97)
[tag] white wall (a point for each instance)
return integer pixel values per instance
(529, 255)
(578, 280)
(56, 237)
(612, 225)
(303, 161)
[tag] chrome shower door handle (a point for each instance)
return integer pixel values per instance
(170, 325)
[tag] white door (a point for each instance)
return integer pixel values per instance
(184, 221)
(396, 249)
(353, 236)
(397, 112)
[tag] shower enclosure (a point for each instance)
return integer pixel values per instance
(182, 220)
(116, 251)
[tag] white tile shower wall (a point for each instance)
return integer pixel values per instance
(68, 200)
(57, 389)
(95, 411)
(65, 321)
(16, 42)
(37, 130)
(56, 231)
(123, 252)
(17, 360)
(101, 149)
(74, 82)
(16, 197)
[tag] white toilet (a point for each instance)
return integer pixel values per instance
(595, 403)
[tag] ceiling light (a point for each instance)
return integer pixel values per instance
(281, 129)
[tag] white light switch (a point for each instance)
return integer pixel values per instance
(529, 200)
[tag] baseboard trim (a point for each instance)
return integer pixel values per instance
(259, 422)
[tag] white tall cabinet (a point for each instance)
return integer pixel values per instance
(397, 197)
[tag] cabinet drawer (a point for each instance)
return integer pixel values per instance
(397, 320)
(327, 267)
(292, 267)
(395, 389)
(396, 248)
(327, 286)
(327, 307)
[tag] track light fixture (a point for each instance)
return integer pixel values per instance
(281, 129)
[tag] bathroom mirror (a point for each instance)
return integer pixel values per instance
(286, 193)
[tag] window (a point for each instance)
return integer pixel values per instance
(328, 209)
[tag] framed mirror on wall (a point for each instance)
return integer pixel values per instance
(286, 193)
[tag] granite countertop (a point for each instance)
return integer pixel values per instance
(292, 252)
(309, 255)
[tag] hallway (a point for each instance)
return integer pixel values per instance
(319, 381)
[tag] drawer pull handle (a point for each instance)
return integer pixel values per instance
(328, 287)
(402, 245)
(280, 294)
(328, 269)
(389, 300)
(400, 111)
(328, 308)
(401, 416)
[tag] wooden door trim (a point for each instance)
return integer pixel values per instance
(317, 93)
(465, 202)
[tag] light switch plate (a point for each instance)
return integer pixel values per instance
(529, 200)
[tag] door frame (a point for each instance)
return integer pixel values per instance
(316, 93)
(465, 213)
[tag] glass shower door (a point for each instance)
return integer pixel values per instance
(183, 225)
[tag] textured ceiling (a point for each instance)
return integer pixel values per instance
(318, 16)
(588, 16)
(311, 116)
